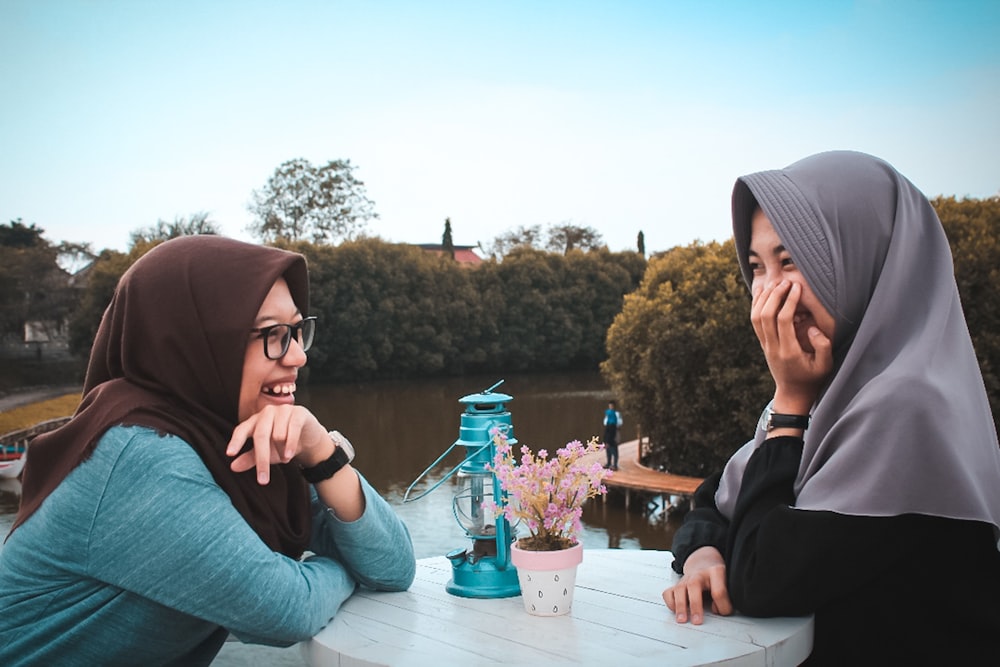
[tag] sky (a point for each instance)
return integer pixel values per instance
(623, 116)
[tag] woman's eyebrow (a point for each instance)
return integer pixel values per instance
(778, 249)
(271, 318)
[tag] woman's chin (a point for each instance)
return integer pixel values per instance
(274, 399)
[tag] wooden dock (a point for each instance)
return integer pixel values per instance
(633, 477)
(21, 437)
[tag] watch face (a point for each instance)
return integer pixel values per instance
(343, 443)
(769, 420)
(765, 418)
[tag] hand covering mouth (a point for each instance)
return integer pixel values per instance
(802, 321)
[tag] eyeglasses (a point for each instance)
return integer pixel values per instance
(277, 337)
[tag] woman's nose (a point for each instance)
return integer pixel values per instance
(766, 281)
(772, 277)
(295, 356)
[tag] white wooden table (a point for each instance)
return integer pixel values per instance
(618, 618)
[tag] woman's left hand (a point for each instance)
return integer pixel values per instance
(280, 434)
(704, 573)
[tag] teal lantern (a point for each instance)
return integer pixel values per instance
(482, 570)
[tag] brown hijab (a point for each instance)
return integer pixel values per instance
(169, 355)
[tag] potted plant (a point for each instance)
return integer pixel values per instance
(547, 496)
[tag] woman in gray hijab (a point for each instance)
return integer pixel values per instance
(870, 494)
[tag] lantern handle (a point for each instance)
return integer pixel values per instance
(490, 390)
(406, 496)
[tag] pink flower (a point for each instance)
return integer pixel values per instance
(547, 494)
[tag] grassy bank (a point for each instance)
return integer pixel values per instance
(29, 415)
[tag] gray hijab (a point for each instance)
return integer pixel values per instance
(904, 425)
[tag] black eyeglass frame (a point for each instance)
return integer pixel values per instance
(294, 330)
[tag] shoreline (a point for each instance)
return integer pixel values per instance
(30, 395)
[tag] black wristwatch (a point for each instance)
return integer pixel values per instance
(343, 454)
(771, 420)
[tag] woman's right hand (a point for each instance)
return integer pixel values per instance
(799, 367)
(280, 434)
(704, 572)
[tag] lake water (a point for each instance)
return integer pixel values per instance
(400, 428)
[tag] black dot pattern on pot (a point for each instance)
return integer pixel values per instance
(541, 594)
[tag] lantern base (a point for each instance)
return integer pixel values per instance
(482, 578)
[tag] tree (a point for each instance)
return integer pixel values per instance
(548, 311)
(683, 357)
(973, 230)
(33, 287)
(564, 237)
(102, 279)
(597, 283)
(73, 257)
(522, 237)
(197, 223)
(391, 310)
(640, 243)
(533, 327)
(302, 202)
(446, 242)
(18, 235)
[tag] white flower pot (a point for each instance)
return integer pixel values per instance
(547, 578)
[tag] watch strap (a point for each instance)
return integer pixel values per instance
(778, 420)
(328, 468)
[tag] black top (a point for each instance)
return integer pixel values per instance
(910, 589)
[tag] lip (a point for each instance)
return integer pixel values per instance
(280, 398)
(802, 316)
(283, 399)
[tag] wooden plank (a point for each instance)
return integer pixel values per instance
(633, 475)
(21, 437)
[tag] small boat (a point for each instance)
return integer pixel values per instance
(10, 486)
(14, 449)
(12, 458)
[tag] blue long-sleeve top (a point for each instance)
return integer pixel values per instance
(138, 557)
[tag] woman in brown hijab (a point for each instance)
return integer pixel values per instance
(175, 507)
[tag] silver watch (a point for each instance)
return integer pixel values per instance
(770, 420)
(343, 443)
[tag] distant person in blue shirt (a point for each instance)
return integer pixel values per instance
(190, 497)
(612, 427)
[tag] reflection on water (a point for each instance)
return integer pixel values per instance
(10, 496)
(400, 428)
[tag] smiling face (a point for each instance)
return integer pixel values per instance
(271, 381)
(770, 263)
